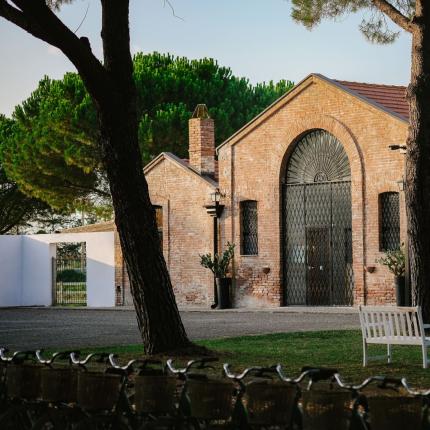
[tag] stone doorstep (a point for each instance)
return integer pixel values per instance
(285, 309)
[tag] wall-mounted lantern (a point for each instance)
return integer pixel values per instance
(215, 209)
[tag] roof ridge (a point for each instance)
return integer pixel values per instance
(341, 81)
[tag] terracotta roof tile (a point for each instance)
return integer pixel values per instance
(389, 97)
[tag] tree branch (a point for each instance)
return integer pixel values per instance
(17, 17)
(97, 191)
(394, 14)
(35, 17)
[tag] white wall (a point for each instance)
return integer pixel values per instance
(10, 270)
(26, 270)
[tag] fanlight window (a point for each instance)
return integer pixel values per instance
(318, 157)
(389, 206)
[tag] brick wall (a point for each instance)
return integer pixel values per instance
(187, 232)
(252, 165)
(187, 228)
(202, 145)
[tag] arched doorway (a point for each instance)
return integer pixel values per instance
(317, 222)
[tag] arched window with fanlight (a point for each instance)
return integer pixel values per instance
(389, 213)
(159, 220)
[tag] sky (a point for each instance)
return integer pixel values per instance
(255, 38)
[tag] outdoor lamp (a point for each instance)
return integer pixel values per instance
(216, 196)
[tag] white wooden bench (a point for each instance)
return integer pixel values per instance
(393, 325)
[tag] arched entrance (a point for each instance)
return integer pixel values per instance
(317, 223)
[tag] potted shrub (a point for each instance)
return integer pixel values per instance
(218, 264)
(395, 262)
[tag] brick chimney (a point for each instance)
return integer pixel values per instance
(202, 141)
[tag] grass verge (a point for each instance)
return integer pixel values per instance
(339, 349)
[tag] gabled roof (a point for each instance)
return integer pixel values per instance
(180, 163)
(389, 98)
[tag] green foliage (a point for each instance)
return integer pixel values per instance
(218, 265)
(71, 275)
(394, 261)
(15, 208)
(169, 88)
(71, 251)
(374, 25)
(50, 149)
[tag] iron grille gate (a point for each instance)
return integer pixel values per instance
(69, 279)
(318, 244)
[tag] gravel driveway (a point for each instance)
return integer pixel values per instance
(29, 328)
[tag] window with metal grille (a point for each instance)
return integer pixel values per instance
(249, 227)
(389, 206)
(159, 220)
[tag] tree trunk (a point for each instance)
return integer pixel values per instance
(418, 161)
(157, 313)
(112, 89)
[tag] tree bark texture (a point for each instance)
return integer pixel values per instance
(112, 89)
(157, 314)
(418, 160)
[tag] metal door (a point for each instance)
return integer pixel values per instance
(69, 281)
(317, 219)
(318, 266)
(318, 244)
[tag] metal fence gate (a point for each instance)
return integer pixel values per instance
(318, 244)
(69, 281)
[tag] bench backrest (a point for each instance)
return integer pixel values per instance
(396, 322)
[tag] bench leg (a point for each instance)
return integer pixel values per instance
(364, 353)
(425, 361)
(388, 353)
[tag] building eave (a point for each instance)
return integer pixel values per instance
(302, 85)
(180, 163)
(362, 98)
(269, 111)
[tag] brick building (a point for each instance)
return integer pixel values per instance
(311, 194)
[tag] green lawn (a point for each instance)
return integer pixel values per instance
(339, 349)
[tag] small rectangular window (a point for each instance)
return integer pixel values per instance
(249, 227)
(389, 206)
(159, 220)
